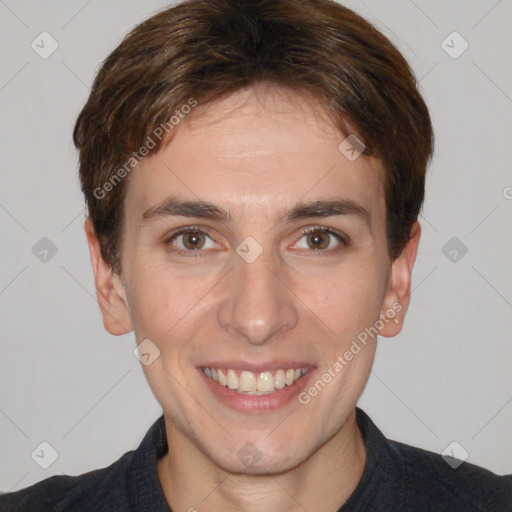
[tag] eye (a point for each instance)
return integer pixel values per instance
(192, 240)
(189, 240)
(321, 239)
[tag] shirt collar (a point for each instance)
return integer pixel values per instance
(146, 492)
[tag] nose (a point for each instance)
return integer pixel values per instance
(258, 304)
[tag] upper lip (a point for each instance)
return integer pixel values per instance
(257, 367)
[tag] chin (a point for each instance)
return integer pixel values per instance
(259, 458)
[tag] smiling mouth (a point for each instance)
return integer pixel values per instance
(249, 383)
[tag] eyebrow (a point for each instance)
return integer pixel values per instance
(174, 206)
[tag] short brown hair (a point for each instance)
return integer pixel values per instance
(206, 49)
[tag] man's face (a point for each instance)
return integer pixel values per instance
(282, 283)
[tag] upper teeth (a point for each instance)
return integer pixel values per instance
(255, 383)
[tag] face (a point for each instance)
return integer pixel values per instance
(254, 255)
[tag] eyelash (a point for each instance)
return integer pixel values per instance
(343, 239)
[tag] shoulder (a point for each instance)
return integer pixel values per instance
(130, 483)
(101, 489)
(406, 478)
(449, 484)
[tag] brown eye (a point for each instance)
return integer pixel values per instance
(190, 241)
(193, 240)
(322, 239)
(318, 239)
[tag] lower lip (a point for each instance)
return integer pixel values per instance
(257, 403)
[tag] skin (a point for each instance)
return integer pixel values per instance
(256, 153)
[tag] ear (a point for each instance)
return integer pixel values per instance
(396, 301)
(109, 288)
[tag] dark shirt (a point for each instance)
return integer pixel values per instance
(397, 477)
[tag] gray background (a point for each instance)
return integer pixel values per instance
(65, 381)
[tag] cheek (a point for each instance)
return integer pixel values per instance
(170, 310)
(346, 300)
(161, 300)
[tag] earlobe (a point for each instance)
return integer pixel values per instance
(109, 288)
(396, 301)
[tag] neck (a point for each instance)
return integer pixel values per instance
(323, 482)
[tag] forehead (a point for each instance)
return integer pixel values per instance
(263, 147)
